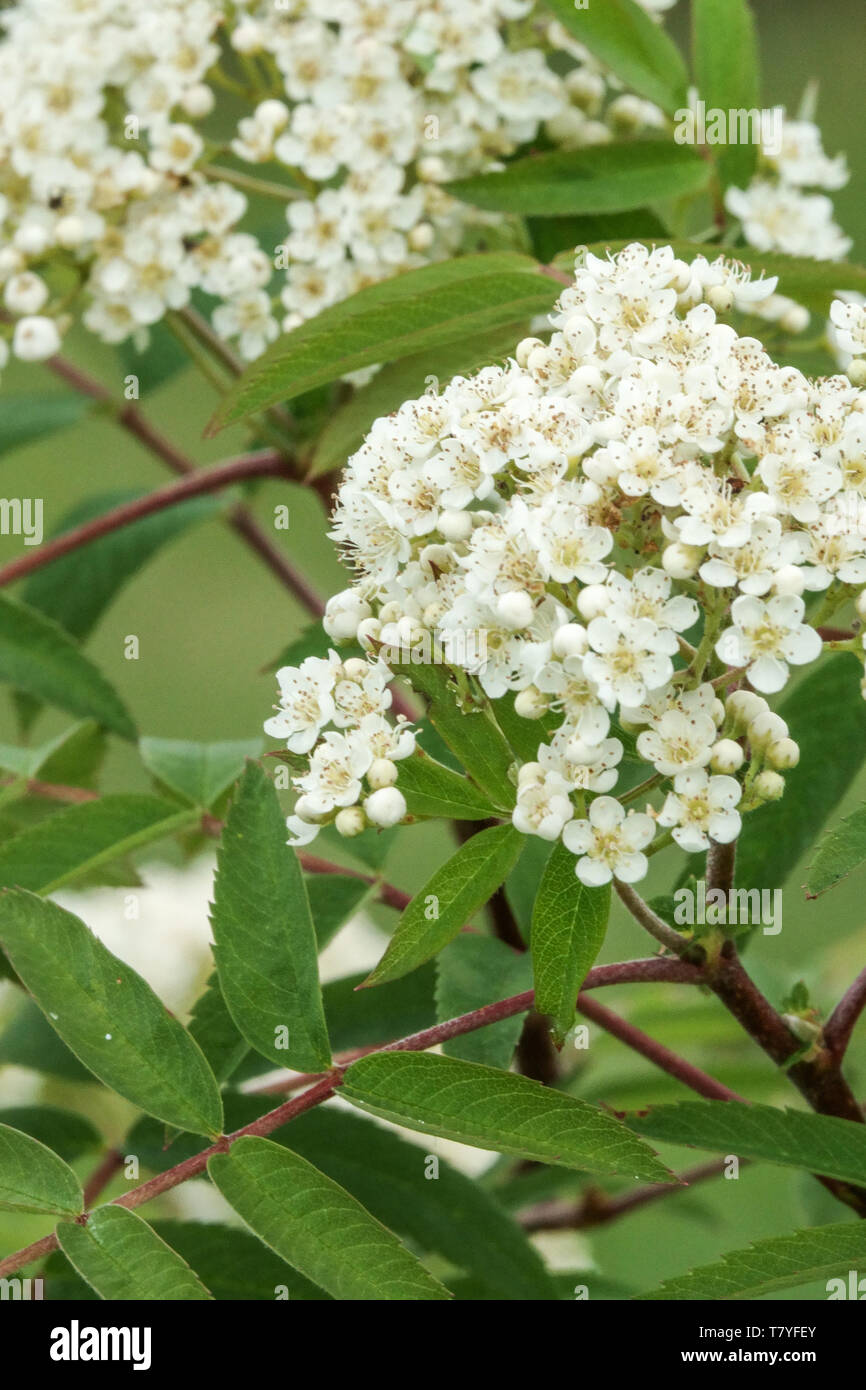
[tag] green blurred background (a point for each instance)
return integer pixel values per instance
(209, 617)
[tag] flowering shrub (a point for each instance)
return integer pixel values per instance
(544, 334)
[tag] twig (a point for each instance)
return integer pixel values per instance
(266, 463)
(842, 1021)
(597, 1208)
(655, 1052)
(721, 860)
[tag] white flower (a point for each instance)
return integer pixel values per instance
(609, 843)
(306, 696)
(543, 805)
(766, 637)
(629, 657)
(701, 808)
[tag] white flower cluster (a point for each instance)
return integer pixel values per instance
(616, 529)
(121, 195)
(112, 129)
(780, 210)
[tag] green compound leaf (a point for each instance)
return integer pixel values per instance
(316, 1226)
(497, 1110)
(33, 1178)
(123, 1259)
(107, 1015)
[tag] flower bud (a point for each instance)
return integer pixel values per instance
(421, 237)
(350, 822)
(355, 669)
(385, 807)
(720, 298)
(515, 609)
(524, 348)
(455, 526)
(856, 371)
(381, 773)
(593, 601)
(789, 580)
(25, 293)
(795, 319)
(769, 786)
(198, 101)
(860, 604)
(783, 753)
(681, 561)
(766, 728)
(531, 703)
(570, 640)
(726, 756)
(35, 338)
(343, 613)
(743, 706)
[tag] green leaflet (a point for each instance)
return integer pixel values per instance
(448, 1213)
(79, 839)
(431, 789)
(316, 1226)
(839, 852)
(621, 34)
(107, 1015)
(782, 1262)
(496, 1110)
(727, 73)
(265, 943)
(415, 311)
(448, 900)
(33, 1178)
(791, 1138)
(473, 971)
(569, 922)
(603, 178)
(37, 657)
(123, 1259)
(76, 590)
(198, 772)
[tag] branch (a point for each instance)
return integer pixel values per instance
(597, 1208)
(655, 1052)
(621, 973)
(842, 1021)
(265, 464)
